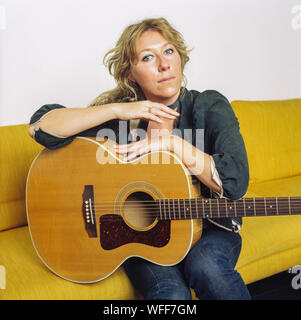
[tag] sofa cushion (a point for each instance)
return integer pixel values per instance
(270, 244)
(17, 151)
(28, 278)
(271, 131)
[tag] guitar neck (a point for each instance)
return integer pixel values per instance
(181, 209)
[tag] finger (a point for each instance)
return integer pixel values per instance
(163, 114)
(151, 116)
(131, 156)
(127, 148)
(121, 148)
(163, 108)
(137, 153)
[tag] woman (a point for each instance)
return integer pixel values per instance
(147, 64)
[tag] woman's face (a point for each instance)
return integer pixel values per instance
(157, 68)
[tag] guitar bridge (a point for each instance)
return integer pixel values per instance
(89, 211)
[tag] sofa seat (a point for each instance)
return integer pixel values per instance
(268, 254)
(28, 278)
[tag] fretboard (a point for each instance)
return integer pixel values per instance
(181, 209)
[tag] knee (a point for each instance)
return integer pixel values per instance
(169, 290)
(214, 280)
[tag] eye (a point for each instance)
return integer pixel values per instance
(169, 51)
(147, 57)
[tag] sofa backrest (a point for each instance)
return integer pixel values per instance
(17, 151)
(272, 135)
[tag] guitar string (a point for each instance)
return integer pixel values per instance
(193, 213)
(214, 205)
(226, 209)
(215, 199)
(247, 201)
(190, 216)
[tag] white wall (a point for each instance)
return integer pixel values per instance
(51, 50)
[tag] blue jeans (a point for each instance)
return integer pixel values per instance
(208, 268)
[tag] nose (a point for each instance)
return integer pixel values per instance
(163, 64)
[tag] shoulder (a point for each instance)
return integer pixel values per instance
(208, 98)
(213, 108)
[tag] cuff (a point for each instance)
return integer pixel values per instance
(216, 178)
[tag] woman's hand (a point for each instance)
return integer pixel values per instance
(135, 149)
(145, 109)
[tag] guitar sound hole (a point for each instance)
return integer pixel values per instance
(139, 210)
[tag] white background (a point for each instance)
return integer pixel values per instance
(51, 51)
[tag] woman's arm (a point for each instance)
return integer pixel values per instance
(197, 161)
(66, 122)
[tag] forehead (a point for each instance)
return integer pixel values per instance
(150, 39)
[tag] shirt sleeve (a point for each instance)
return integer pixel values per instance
(227, 147)
(215, 177)
(47, 139)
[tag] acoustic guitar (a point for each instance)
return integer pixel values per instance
(88, 210)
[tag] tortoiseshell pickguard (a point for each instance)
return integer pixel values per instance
(114, 232)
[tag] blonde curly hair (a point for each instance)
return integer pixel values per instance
(119, 60)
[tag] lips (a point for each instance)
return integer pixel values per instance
(166, 79)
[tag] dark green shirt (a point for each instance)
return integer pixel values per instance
(221, 139)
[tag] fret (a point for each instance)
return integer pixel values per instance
(168, 209)
(226, 208)
(197, 209)
(210, 208)
(184, 209)
(295, 204)
(179, 208)
(160, 209)
(207, 214)
(235, 213)
(289, 205)
(244, 202)
(277, 206)
(249, 207)
(205, 206)
(187, 209)
(265, 206)
(174, 209)
(214, 207)
(260, 207)
(271, 207)
(254, 207)
(230, 208)
(283, 205)
(217, 203)
(164, 209)
(191, 217)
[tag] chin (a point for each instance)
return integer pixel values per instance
(170, 92)
(164, 94)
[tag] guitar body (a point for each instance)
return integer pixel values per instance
(87, 209)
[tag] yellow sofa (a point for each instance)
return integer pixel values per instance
(272, 134)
